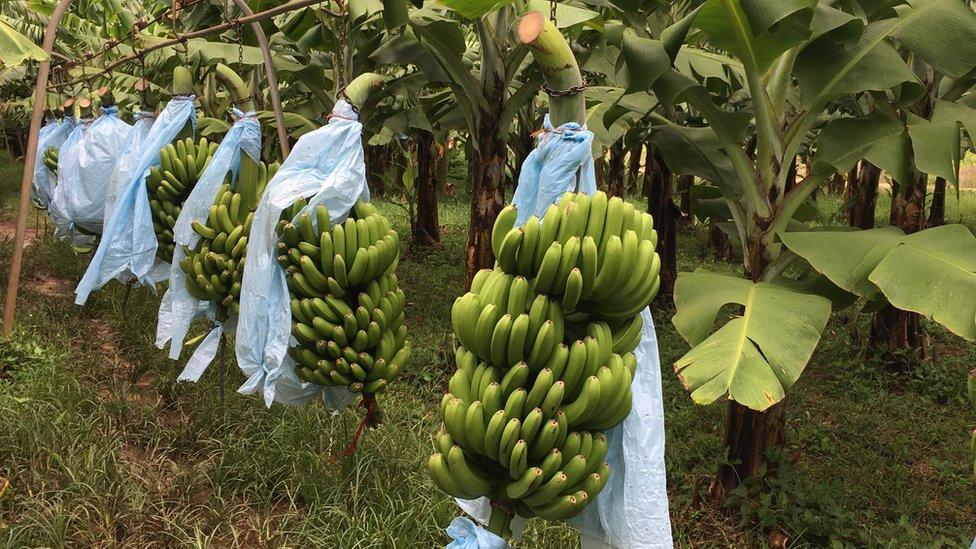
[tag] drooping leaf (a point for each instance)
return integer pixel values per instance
(566, 15)
(644, 59)
(473, 9)
(696, 151)
(933, 273)
(935, 148)
(756, 31)
(843, 26)
(707, 203)
(395, 13)
(753, 358)
(15, 48)
(846, 257)
(705, 65)
(881, 139)
(949, 111)
(942, 32)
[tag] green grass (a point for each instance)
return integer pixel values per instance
(101, 445)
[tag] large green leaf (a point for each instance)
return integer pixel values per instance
(644, 60)
(942, 32)
(395, 13)
(754, 358)
(825, 71)
(933, 273)
(705, 65)
(881, 139)
(15, 48)
(947, 111)
(696, 151)
(845, 257)
(935, 147)
(473, 9)
(756, 31)
(566, 15)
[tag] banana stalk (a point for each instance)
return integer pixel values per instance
(559, 68)
(359, 89)
(239, 91)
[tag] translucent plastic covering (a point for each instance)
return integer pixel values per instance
(178, 307)
(67, 176)
(128, 245)
(79, 198)
(53, 134)
(142, 122)
(465, 534)
(632, 510)
(327, 167)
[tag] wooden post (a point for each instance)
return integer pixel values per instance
(30, 156)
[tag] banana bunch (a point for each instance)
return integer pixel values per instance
(545, 358)
(180, 165)
(596, 255)
(215, 266)
(51, 159)
(347, 308)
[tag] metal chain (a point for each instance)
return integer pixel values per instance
(340, 55)
(143, 83)
(552, 11)
(573, 90)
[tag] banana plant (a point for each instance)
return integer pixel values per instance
(799, 59)
(468, 46)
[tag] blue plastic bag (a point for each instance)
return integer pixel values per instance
(128, 246)
(78, 205)
(632, 510)
(67, 176)
(178, 308)
(53, 134)
(142, 121)
(465, 534)
(327, 167)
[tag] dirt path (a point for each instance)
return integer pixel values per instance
(8, 231)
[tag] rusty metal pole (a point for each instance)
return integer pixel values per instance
(40, 100)
(272, 78)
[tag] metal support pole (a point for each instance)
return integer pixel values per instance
(40, 100)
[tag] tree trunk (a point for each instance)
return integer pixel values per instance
(937, 207)
(894, 331)
(835, 185)
(863, 194)
(377, 164)
(791, 176)
(616, 172)
(660, 205)
(684, 196)
(426, 230)
(749, 435)
(525, 142)
(443, 166)
(490, 156)
(634, 166)
(720, 243)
